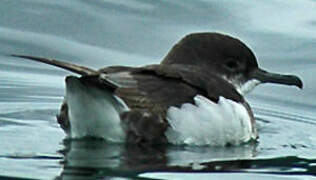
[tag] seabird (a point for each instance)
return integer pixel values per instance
(195, 96)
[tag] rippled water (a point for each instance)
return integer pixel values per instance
(129, 32)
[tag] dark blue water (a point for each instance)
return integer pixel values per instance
(129, 32)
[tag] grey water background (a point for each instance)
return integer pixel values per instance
(98, 33)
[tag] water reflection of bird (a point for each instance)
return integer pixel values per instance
(93, 158)
(194, 96)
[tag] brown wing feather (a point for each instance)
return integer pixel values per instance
(64, 65)
(147, 90)
(156, 87)
(206, 81)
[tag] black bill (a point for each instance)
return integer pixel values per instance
(267, 77)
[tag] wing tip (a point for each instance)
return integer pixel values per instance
(64, 65)
(84, 71)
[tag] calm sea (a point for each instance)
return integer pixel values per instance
(98, 33)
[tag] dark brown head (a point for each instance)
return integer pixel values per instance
(227, 57)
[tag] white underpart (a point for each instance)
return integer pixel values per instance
(93, 112)
(247, 87)
(209, 123)
(243, 88)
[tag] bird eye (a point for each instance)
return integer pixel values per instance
(231, 64)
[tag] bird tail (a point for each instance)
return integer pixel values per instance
(90, 107)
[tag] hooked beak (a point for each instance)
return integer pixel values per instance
(267, 77)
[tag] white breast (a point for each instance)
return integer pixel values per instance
(209, 123)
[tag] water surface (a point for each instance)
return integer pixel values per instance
(107, 32)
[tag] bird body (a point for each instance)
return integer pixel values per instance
(195, 96)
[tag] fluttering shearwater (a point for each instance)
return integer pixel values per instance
(195, 96)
